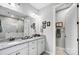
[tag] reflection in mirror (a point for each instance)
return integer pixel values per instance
(12, 25)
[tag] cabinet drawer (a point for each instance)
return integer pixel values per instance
(32, 50)
(33, 43)
(23, 51)
(13, 49)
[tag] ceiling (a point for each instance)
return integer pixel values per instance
(10, 13)
(30, 7)
(39, 5)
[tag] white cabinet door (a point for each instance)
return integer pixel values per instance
(41, 46)
(33, 48)
(23, 51)
(33, 51)
(13, 49)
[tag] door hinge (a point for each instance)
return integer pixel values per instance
(77, 22)
(77, 39)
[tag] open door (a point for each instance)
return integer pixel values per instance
(71, 44)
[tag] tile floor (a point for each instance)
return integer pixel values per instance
(59, 51)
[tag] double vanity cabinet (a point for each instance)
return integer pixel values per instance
(35, 46)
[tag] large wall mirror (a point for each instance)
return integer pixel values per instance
(11, 26)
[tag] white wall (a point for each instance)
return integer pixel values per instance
(60, 15)
(48, 14)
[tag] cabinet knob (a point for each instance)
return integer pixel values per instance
(32, 48)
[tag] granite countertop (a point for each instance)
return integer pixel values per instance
(7, 44)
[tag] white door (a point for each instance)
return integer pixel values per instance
(71, 44)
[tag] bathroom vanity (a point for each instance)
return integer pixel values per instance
(33, 46)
